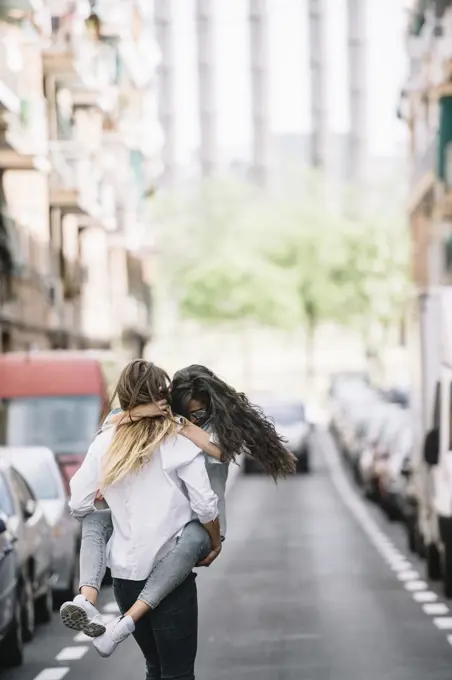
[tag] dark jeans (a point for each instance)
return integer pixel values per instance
(168, 635)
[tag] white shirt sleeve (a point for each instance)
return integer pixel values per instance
(203, 501)
(85, 483)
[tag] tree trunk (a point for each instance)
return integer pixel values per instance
(311, 328)
(247, 358)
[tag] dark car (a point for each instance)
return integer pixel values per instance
(11, 645)
(291, 423)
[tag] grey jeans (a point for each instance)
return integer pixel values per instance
(192, 546)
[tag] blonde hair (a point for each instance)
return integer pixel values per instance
(135, 441)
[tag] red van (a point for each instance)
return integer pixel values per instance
(54, 399)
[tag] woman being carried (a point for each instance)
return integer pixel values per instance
(228, 420)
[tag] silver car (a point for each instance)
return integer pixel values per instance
(291, 423)
(39, 467)
(31, 533)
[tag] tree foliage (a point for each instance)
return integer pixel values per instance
(232, 254)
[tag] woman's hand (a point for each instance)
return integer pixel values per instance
(153, 410)
(211, 557)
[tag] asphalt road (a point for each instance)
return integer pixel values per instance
(309, 587)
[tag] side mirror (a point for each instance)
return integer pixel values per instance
(3, 527)
(431, 447)
(30, 508)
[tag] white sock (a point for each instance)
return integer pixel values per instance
(129, 622)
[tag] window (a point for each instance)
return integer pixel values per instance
(66, 425)
(23, 491)
(42, 478)
(6, 501)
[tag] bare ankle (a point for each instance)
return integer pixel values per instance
(90, 594)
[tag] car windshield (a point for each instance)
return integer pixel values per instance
(6, 502)
(285, 414)
(39, 476)
(66, 425)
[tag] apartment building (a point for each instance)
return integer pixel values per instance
(80, 148)
(426, 104)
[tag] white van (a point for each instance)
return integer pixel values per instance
(432, 411)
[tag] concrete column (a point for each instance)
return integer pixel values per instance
(164, 33)
(318, 60)
(357, 57)
(259, 54)
(206, 76)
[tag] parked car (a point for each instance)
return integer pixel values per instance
(27, 524)
(40, 469)
(11, 641)
(291, 423)
(375, 448)
(396, 472)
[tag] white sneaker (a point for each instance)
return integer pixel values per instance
(117, 631)
(81, 615)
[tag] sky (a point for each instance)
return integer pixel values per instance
(289, 108)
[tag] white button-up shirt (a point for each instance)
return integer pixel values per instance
(149, 509)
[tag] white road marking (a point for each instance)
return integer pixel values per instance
(425, 596)
(111, 608)
(411, 586)
(400, 566)
(396, 560)
(52, 673)
(408, 575)
(72, 653)
(435, 609)
(81, 637)
(444, 623)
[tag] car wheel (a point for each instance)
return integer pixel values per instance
(303, 466)
(12, 647)
(411, 534)
(44, 606)
(27, 609)
(249, 466)
(433, 559)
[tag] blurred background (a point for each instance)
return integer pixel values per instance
(223, 183)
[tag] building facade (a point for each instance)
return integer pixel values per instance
(80, 146)
(427, 106)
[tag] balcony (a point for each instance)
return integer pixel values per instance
(77, 184)
(119, 24)
(137, 310)
(73, 277)
(77, 57)
(23, 136)
(16, 10)
(424, 170)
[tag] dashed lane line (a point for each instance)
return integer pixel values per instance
(53, 673)
(425, 596)
(444, 623)
(435, 608)
(396, 560)
(72, 653)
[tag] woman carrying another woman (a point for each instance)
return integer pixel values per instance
(234, 425)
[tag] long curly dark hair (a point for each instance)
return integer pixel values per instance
(238, 425)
